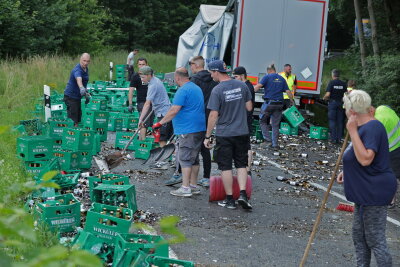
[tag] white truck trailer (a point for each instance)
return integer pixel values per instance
(256, 33)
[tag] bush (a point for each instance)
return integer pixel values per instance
(383, 84)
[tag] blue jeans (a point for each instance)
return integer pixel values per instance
(336, 120)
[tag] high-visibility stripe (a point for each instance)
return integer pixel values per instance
(395, 141)
(253, 79)
(306, 85)
(394, 130)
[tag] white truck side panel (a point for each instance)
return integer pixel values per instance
(280, 32)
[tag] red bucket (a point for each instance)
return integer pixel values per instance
(217, 191)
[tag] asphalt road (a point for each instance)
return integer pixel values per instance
(276, 231)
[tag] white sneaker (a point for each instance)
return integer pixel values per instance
(160, 165)
(182, 192)
(195, 190)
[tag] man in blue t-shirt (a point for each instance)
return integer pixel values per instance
(271, 111)
(188, 117)
(76, 88)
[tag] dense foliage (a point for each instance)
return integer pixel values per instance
(29, 27)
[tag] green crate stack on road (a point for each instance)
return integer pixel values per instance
(105, 221)
(63, 214)
(287, 129)
(123, 196)
(120, 75)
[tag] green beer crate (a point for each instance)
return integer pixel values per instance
(60, 114)
(78, 139)
(142, 149)
(293, 116)
(36, 147)
(113, 179)
(95, 119)
(35, 167)
(160, 75)
(319, 133)
(122, 138)
(97, 103)
(31, 127)
(68, 159)
(115, 124)
(165, 262)
(123, 196)
(130, 121)
(151, 244)
(84, 159)
(287, 129)
(106, 221)
(67, 181)
(57, 143)
(97, 144)
(96, 246)
(56, 126)
(129, 258)
(63, 214)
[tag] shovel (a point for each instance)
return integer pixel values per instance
(161, 153)
(113, 160)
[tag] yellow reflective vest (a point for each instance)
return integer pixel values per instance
(290, 82)
(391, 121)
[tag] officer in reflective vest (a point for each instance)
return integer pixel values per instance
(391, 122)
(291, 81)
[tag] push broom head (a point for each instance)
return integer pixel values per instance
(345, 207)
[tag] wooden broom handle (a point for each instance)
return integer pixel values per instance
(321, 209)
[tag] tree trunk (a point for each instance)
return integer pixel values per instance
(394, 30)
(374, 33)
(360, 32)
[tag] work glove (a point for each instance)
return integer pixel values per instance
(82, 90)
(130, 108)
(156, 126)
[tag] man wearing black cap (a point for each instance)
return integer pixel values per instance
(240, 74)
(229, 102)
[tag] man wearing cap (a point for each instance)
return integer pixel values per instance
(202, 78)
(229, 102)
(157, 98)
(240, 74)
(141, 94)
(188, 118)
(274, 86)
(291, 81)
(76, 88)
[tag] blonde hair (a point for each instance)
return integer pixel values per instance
(359, 101)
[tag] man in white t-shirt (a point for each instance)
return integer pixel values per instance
(130, 61)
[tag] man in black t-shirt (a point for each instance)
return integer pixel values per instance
(334, 93)
(240, 74)
(141, 94)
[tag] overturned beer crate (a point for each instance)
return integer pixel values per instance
(33, 148)
(62, 214)
(105, 221)
(116, 195)
(95, 245)
(293, 116)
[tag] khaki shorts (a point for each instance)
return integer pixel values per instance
(189, 146)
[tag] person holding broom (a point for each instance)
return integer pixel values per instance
(368, 179)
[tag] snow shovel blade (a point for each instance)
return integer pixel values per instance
(166, 152)
(154, 153)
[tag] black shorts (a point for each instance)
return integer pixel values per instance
(74, 109)
(150, 120)
(228, 149)
(166, 130)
